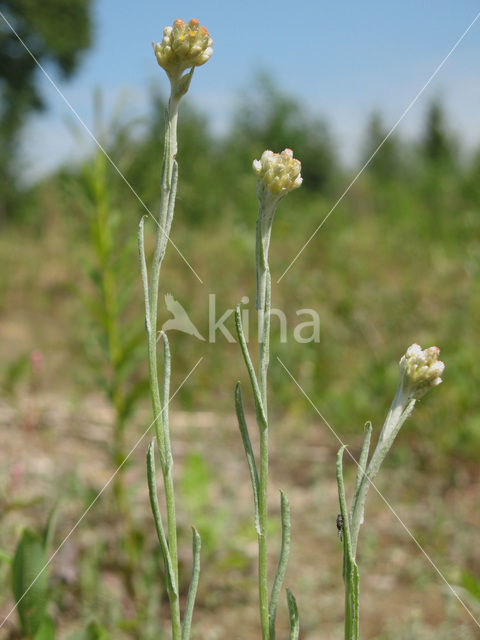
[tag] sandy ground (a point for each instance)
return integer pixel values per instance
(51, 447)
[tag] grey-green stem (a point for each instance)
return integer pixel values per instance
(350, 569)
(259, 478)
(264, 227)
(159, 401)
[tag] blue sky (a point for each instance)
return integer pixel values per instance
(342, 59)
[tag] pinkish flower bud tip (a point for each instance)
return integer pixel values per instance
(183, 46)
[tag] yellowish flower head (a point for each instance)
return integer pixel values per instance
(183, 46)
(279, 172)
(422, 369)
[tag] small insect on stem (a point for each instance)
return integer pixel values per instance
(340, 526)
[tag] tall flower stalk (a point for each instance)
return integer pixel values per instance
(183, 47)
(278, 173)
(420, 371)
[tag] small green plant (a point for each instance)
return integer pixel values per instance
(30, 582)
(278, 173)
(420, 371)
(115, 337)
(195, 489)
(92, 631)
(184, 47)
(29, 559)
(114, 334)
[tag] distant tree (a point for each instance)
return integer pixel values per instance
(269, 119)
(56, 32)
(387, 162)
(438, 145)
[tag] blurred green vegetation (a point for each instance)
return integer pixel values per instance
(395, 263)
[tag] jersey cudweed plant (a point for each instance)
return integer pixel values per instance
(278, 173)
(184, 47)
(420, 371)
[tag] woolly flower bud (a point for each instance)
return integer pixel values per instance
(183, 46)
(422, 369)
(279, 172)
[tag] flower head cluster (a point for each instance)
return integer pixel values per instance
(422, 369)
(279, 173)
(183, 46)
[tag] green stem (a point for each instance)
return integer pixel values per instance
(259, 387)
(263, 308)
(159, 401)
(350, 569)
(262, 536)
(263, 302)
(169, 154)
(260, 482)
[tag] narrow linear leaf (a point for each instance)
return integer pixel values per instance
(184, 83)
(192, 590)
(293, 615)
(152, 490)
(343, 504)
(172, 198)
(252, 465)
(166, 151)
(282, 563)
(167, 370)
(261, 417)
(362, 462)
(169, 212)
(144, 272)
(167, 460)
(265, 346)
(361, 487)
